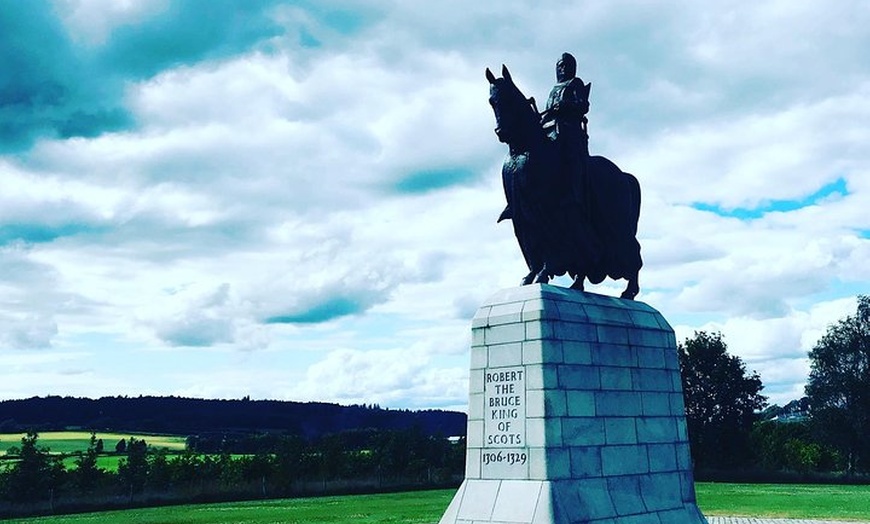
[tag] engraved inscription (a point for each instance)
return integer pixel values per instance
(505, 408)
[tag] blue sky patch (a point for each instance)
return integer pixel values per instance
(838, 187)
(328, 310)
(428, 180)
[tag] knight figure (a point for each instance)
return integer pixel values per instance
(564, 120)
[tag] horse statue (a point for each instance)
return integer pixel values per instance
(580, 224)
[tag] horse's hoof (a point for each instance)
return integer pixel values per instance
(628, 294)
(578, 285)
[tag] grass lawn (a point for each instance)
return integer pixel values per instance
(426, 507)
(800, 501)
(73, 441)
(418, 507)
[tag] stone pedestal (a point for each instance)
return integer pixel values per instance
(575, 414)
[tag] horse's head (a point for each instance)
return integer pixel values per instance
(515, 116)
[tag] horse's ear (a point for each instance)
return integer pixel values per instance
(490, 76)
(506, 74)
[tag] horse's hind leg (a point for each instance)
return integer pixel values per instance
(578, 282)
(632, 289)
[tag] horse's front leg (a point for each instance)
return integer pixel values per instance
(578, 282)
(543, 276)
(632, 289)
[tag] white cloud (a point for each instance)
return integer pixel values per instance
(347, 191)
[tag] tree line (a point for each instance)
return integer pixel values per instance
(189, 416)
(725, 410)
(281, 466)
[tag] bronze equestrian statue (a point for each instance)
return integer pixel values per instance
(572, 213)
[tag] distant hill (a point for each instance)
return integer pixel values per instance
(187, 416)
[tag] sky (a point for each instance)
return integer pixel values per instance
(298, 200)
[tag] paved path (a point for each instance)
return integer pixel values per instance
(754, 520)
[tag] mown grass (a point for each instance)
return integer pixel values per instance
(426, 507)
(417, 507)
(799, 501)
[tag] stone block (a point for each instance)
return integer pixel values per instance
(575, 331)
(625, 494)
(535, 403)
(542, 432)
(475, 381)
(481, 317)
(572, 312)
(651, 379)
(504, 355)
(474, 439)
(620, 430)
(656, 404)
(687, 487)
(542, 351)
(516, 501)
(544, 511)
(542, 376)
(479, 355)
(585, 461)
(574, 352)
(539, 309)
(612, 335)
(477, 337)
(452, 511)
(581, 403)
(656, 430)
(557, 462)
(593, 500)
(684, 456)
(472, 463)
(619, 355)
(510, 313)
(580, 377)
(479, 500)
(624, 460)
(672, 361)
(651, 357)
(678, 404)
(475, 406)
(648, 337)
(555, 403)
(644, 319)
(662, 457)
(616, 378)
(504, 334)
(657, 490)
(538, 330)
(583, 431)
(617, 404)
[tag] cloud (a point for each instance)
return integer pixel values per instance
(304, 179)
(388, 377)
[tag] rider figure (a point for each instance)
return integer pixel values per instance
(564, 120)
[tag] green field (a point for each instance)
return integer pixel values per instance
(425, 507)
(74, 441)
(800, 501)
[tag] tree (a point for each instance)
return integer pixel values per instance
(839, 387)
(133, 471)
(36, 474)
(721, 401)
(87, 475)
